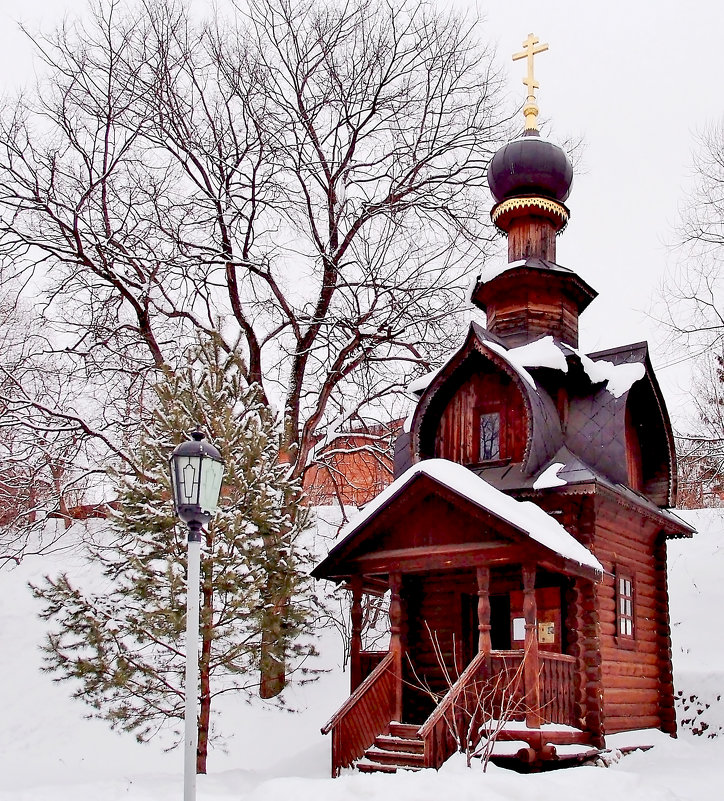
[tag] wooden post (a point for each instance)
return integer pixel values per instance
(531, 236)
(484, 644)
(531, 670)
(355, 646)
(396, 639)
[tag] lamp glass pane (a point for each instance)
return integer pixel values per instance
(212, 475)
(187, 469)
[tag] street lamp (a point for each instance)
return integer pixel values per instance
(196, 473)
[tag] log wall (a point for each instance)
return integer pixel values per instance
(666, 677)
(633, 671)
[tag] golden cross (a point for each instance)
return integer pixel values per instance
(530, 49)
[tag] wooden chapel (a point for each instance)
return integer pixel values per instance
(524, 535)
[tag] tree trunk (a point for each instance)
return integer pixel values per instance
(273, 673)
(272, 665)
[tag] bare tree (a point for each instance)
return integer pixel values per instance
(44, 464)
(476, 704)
(692, 308)
(701, 453)
(300, 181)
(302, 178)
(692, 303)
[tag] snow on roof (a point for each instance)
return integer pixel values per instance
(619, 378)
(549, 477)
(546, 352)
(512, 359)
(541, 352)
(524, 515)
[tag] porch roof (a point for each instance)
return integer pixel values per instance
(523, 517)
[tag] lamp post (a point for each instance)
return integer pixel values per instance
(196, 473)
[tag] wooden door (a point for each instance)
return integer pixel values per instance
(548, 601)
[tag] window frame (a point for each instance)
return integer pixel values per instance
(626, 627)
(482, 414)
(479, 411)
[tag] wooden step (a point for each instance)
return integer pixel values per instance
(387, 742)
(400, 759)
(537, 735)
(407, 731)
(365, 766)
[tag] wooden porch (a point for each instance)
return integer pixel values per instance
(486, 623)
(377, 729)
(492, 687)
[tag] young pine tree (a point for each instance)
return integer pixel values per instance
(124, 646)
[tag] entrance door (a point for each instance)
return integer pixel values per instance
(500, 623)
(548, 602)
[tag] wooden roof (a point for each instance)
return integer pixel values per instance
(438, 516)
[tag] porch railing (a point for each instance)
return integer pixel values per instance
(557, 697)
(450, 720)
(490, 686)
(363, 716)
(369, 661)
(493, 686)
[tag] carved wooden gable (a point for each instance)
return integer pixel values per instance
(484, 411)
(485, 419)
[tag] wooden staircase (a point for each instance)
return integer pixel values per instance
(401, 749)
(362, 734)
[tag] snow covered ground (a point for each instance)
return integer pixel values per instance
(49, 751)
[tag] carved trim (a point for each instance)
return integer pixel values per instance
(507, 210)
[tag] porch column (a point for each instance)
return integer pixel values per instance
(355, 659)
(484, 644)
(531, 668)
(396, 639)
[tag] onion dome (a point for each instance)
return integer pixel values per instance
(528, 177)
(530, 166)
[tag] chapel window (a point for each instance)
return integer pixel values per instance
(489, 436)
(625, 626)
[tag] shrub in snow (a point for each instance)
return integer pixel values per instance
(701, 712)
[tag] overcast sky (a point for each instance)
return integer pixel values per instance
(635, 79)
